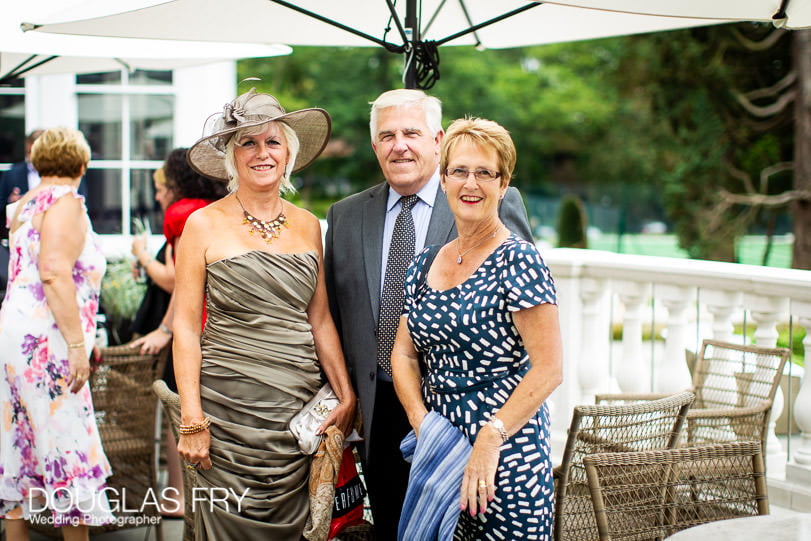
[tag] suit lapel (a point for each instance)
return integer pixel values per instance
(373, 221)
(442, 227)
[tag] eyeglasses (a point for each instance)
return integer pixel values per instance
(460, 174)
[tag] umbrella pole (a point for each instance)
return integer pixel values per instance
(413, 33)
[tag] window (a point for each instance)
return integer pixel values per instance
(12, 126)
(128, 119)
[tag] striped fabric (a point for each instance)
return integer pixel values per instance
(438, 459)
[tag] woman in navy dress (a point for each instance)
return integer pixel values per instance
(482, 319)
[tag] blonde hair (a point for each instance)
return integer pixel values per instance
(159, 176)
(484, 133)
(60, 152)
(293, 146)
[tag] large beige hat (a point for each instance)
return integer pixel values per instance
(312, 126)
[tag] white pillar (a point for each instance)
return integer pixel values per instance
(802, 403)
(672, 374)
(592, 370)
(631, 371)
(765, 312)
(722, 305)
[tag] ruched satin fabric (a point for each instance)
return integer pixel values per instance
(259, 368)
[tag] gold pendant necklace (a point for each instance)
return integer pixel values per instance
(268, 230)
(486, 237)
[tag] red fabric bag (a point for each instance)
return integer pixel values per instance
(347, 508)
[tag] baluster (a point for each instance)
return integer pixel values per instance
(631, 371)
(721, 304)
(802, 404)
(592, 368)
(673, 374)
(765, 312)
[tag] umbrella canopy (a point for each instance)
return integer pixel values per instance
(28, 53)
(412, 28)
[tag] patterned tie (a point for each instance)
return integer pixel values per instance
(401, 252)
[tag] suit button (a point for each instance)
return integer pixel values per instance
(372, 375)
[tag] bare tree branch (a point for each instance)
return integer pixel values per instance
(765, 200)
(774, 90)
(773, 109)
(773, 169)
(743, 176)
(761, 45)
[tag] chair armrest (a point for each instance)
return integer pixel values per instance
(716, 413)
(613, 398)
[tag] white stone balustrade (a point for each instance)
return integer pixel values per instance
(692, 299)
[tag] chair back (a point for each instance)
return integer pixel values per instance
(654, 494)
(171, 405)
(730, 375)
(654, 424)
(735, 387)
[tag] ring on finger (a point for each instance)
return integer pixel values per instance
(482, 484)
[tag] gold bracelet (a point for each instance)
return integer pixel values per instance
(77, 345)
(194, 428)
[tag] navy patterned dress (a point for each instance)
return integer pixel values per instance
(475, 358)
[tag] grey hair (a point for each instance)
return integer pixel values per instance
(293, 146)
(408, 97)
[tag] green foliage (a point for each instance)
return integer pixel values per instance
(572, 223)
(121, 296)
(649, 123)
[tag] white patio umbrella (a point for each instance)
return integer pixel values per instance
(409, 27)
(26, 53)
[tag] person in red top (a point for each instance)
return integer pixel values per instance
(191, 191)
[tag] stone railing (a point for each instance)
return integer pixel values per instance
(686, 301)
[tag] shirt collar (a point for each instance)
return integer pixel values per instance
(427, 194)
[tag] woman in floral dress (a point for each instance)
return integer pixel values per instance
(50, 451)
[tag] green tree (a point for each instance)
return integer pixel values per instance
(712, 146)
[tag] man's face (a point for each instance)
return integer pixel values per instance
(406, 150)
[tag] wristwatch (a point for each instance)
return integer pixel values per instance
(497, 423)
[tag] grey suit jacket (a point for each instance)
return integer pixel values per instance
(352, 261)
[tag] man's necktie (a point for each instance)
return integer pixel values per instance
(401, 252)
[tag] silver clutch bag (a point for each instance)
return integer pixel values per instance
(304, 424)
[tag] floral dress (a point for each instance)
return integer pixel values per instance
(50, 450)
(475, 358)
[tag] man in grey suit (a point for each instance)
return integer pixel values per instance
(406, 131)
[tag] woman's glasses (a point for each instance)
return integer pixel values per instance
(460, 174)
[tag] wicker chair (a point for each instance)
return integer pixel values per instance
(735, 387)
(171, 405)
(653, 424)
(125, 414)
(654, 494)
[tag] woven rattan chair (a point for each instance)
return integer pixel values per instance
(653, 494)
(125, 414)
(171, 405)
(655, 424)
(735, 387)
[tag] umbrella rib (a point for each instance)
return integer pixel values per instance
(469, 21)
(389, 46)
(436, 14)
(397, 22)
(18, 70)
(487, 23)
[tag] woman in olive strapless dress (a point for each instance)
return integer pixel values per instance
(268, 339)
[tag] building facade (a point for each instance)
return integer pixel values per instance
(131, 120)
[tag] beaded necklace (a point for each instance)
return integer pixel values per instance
(268, 230)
